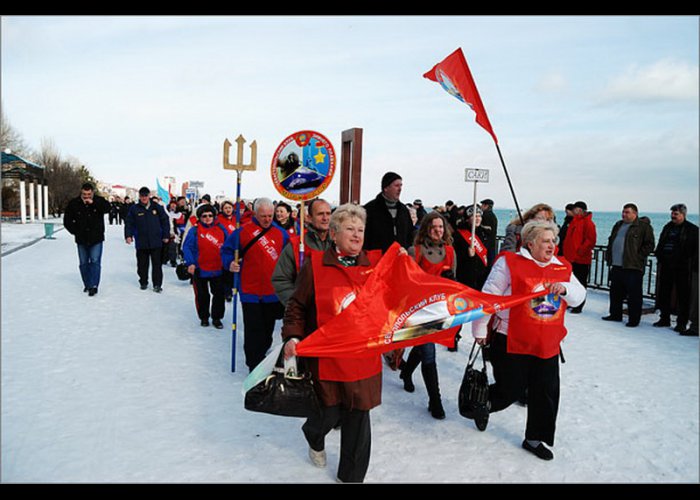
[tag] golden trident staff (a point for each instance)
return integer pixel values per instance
(239, 167)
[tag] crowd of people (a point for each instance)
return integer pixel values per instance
(277, 276)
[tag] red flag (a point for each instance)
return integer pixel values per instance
(401, 305)
(454, 76)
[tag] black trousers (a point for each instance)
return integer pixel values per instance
(203, 298)
(679, 279)
(626, 283)
(518, 372)
(152, 257)
(259, 323)
(355, 439)
(581, 271)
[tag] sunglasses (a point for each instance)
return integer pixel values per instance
(206, 215)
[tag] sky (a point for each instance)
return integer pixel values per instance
(596, 108)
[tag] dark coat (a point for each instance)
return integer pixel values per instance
(382, 230)
(471, 271)
(86, 222)
(639, 243)
(685, 253)
(149, 226)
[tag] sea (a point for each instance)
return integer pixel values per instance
(604, 221)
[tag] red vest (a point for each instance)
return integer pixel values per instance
(536, 327)
(335, 288)
(209, 242)
(260, 259)
(436, 269)
(294, 240)
(229, 224)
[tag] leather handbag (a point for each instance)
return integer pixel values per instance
(474, 391)
(284, 392)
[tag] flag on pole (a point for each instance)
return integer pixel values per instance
(454, 76)
(399, 306)
(163, 193)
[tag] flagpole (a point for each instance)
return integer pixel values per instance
(510, 185)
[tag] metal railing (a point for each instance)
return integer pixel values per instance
(599, 277)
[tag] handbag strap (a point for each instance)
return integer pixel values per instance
(473, 357)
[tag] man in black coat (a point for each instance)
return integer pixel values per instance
(676, 254)
(388, 220)
(84, 219)
(149, 225)
(489, 221)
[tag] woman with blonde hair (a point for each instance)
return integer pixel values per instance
(525, 343)
(348, 388)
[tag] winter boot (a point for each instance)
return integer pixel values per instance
(430, 377)
(407, 369)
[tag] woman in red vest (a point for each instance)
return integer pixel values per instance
(201, 250)
(227, 218)
(434, 253)
(347, 388)
(525, 343)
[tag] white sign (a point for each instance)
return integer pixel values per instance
(476, 174)
(196, 184)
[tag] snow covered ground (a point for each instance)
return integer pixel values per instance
(126, 387)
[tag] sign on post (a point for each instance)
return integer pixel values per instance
(475, 175)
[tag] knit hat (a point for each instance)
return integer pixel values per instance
(204, 209)
(388, 178)
(470, 211)
(581, 204)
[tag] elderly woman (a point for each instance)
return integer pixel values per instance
(201, 250)
(347, 388)
(525, 344)
(433, 252)
(512, 240)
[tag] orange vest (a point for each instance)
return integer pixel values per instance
(294, 240)
(536, 327)
(335, 287)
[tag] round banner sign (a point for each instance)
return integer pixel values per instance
(303, 165)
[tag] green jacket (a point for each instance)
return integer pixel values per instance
(639, 243)
(285, 274)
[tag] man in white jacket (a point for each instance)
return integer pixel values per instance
(525, 340)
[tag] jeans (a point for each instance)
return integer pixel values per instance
(90, 257)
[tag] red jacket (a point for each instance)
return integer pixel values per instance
(580, 239)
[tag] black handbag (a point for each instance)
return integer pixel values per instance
(285, 393)
(181, 272)
(474, 391)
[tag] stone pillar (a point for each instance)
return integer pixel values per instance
(46, 202)
(31, 201)
(22, 202)
(39, 204)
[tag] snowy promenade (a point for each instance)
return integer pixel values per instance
(126, 387)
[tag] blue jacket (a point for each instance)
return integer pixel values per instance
(190, 250)
(148, 225)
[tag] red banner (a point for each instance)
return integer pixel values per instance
(454, 76)
(399, 306)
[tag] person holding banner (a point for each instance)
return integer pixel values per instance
(348, 388)
(525, 343)
(434, 253)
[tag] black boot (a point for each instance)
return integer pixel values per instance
(407, 369)
(430, 377)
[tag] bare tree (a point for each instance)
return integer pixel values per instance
(11, 138)
(62, 177)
